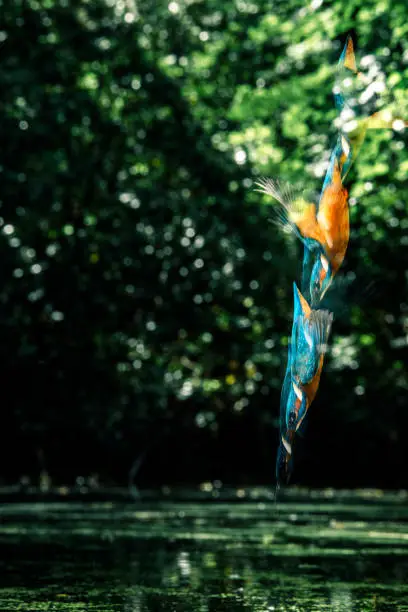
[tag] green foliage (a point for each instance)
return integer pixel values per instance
(143, 292)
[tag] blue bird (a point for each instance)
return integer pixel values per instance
(310, 333)
(323, 230)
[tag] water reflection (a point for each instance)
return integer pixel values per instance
(204, 557)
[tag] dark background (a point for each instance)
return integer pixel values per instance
(145, 301)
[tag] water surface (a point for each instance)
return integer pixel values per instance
(317, 552)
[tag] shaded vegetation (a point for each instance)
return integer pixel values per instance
(145, 302)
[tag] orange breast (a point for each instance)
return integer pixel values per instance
(312, 387)
(334, 220)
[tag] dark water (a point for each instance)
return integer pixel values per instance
(313, 554)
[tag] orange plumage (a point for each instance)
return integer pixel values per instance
(333, 219)
(307, 223)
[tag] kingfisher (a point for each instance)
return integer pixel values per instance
(323, 229)
(310, 334)
(307, 347)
